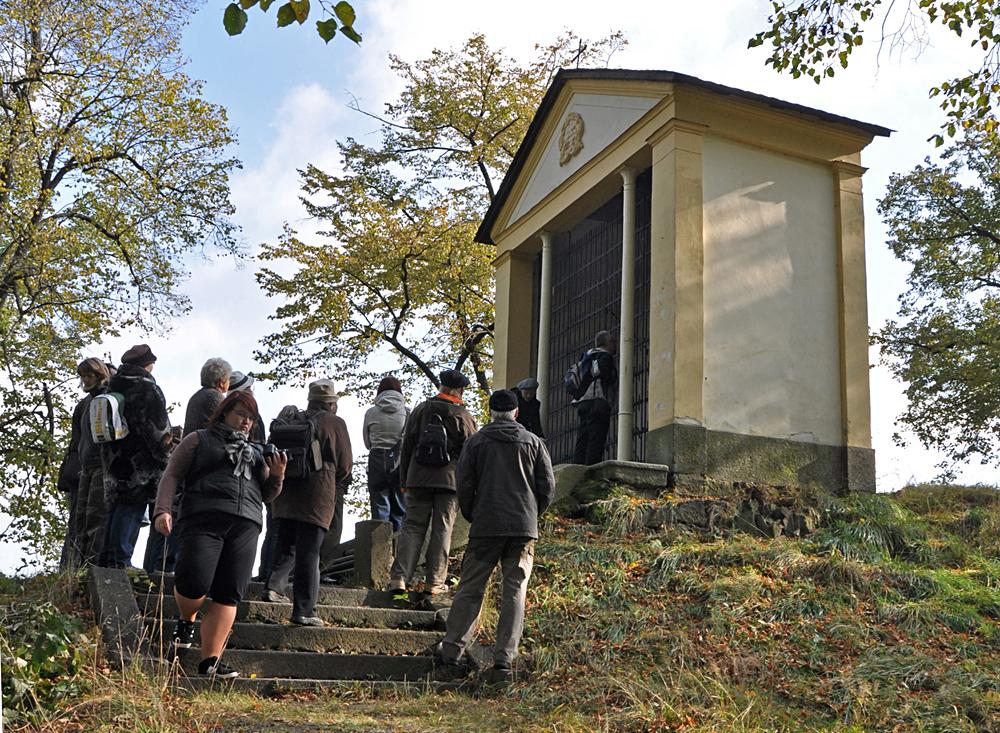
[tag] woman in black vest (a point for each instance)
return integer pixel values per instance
(226, 481)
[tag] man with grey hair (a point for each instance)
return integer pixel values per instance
(504, 483)
(598, 376)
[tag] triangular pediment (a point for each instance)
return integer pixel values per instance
(582, 126)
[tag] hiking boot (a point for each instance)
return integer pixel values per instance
(183, 634)
(446, 668)
(273, 596)
(214, 667)
(499, 674)
(434, 602)
(308, 621)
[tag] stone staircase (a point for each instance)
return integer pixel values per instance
(364, 643)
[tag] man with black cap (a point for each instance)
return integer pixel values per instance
(504, 483)
(529, 409)
(133, 464)
(433, 439)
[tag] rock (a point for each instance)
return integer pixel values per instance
(568, 476)
(658, 517)
(694, 513)
(372, 553)
(637, 475)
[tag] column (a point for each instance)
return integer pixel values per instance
(677, 310)
(545, 327)
(854, 368)
(626, 324)
(511, 352)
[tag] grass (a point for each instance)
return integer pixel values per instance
(888, 618)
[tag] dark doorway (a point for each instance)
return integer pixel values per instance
(586, 292)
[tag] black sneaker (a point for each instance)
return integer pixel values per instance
(214, 667)
(183, 634)
(434, 602)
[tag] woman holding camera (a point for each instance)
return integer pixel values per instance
(226, 481)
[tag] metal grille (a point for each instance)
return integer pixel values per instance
(586, 291)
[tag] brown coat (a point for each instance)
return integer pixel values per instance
(314, 499)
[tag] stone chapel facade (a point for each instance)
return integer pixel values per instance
(733, 225)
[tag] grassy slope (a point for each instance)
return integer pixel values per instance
(886, 619)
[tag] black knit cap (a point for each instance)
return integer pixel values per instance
(454, 379)
(503, 400)
(139, 355)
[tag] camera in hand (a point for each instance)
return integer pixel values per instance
(270, 450)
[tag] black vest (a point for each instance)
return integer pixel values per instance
(210, 485)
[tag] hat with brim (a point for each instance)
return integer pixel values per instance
(528, 383)
(323, 390)
(139, 355)
(240, 382)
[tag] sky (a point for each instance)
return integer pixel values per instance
(287, 95)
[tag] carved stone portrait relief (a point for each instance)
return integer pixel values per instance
(570, 138)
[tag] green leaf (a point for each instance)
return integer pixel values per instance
(351, 33)
(286, 16)
(327, 29)
(234, 19)
(265, 4)
(301, 9)
(345, 12)
(247, 4)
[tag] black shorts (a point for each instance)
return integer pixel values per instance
(215, 555)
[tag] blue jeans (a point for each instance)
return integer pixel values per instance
(387, 501)
(121, 535)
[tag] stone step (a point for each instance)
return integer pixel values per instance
(273, 686)
(315, 665)
(276, 613)
(330, 639)
(330, 595)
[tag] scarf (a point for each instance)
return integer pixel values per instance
(239, 450)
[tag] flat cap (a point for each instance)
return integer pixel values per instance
(139, 355)
(528, 383)
(453, 378)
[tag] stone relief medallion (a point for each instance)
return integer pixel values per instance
(570, 138)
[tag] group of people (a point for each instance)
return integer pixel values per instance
(211, 487)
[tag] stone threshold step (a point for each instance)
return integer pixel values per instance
(276, 686)
(276, 613)
(330, 595)
(340, 639)
(313, 665)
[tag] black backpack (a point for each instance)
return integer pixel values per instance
(292, 431)
(579, 377)
(432, 447)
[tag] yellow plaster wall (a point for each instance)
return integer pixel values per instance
(512, 332)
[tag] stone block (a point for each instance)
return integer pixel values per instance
(568, 476)
(860, 469)
(113, 601)
(373, 553)
(631, 473)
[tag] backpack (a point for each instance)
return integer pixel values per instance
(293, 432)
(432, 447)
(579, 377)
(107, 417)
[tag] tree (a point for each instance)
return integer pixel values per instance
(234, 18)
(815, 37)
(112, 169)
(396, 272)
(945, 342)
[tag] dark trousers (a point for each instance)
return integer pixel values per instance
(592, 433)
(161, 552)
(121, 534)
(70, 557)
(270, 542)
(387, 501)
(298, 545)
(91, 515)
(331, 543)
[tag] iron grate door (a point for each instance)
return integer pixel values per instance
(586, 292)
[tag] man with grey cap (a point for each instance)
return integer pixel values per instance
(504, 483)
(305, 509)
(433, 439)
(529, 409)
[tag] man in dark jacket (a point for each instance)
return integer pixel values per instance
(133, 464)
(505, 482)
(305, 509)
(593, 407)
(529, 409)
(430, 488)
(76, 474)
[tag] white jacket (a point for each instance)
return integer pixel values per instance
(384, 421)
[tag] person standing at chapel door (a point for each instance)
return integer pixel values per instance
(593, 407)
